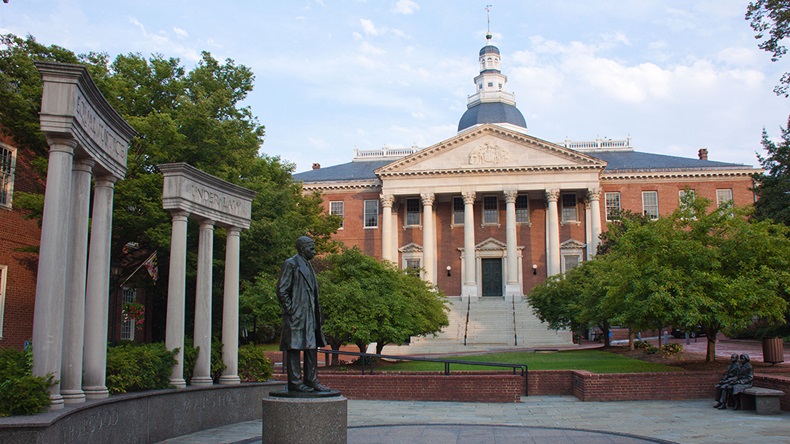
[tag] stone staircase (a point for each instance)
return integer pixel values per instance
(490, 326)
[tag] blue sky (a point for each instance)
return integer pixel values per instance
(332, 76)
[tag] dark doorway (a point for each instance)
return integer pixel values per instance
(492, 276)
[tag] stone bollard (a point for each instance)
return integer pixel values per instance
(296, 420)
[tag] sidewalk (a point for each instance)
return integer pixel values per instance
(538, 419)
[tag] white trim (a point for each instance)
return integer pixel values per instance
(3, 280)
(7, 182)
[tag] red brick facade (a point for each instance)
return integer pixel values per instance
(19, 236)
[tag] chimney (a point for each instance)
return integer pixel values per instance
(317, 166)
(703, 154)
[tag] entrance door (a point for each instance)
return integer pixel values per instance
(492, 276)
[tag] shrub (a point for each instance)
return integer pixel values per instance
(191, 354)
(21, 393)
(651, 350)
(137, 367)
(642, 345)
(671, 349)
(253, 364)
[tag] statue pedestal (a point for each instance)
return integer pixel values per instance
(305, 420)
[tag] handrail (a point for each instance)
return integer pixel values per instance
(515, 328)
(523, 367)
(466, 325)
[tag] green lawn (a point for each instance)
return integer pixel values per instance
(595, 361)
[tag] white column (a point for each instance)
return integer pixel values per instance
(201, 374)
(174, 330)
(230, 309)
(428, 237)
(469, 288)
(97, 291)
(553, 229)
(386, 227)
(76, 266)
(594, 194)
(512, 286)
(51, 278)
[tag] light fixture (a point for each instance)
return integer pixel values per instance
(534, 268)
(449, 268)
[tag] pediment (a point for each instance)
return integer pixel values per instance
(491, 148)
(410, 248)
(572, 244)
(491, 244)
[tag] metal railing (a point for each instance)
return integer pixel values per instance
(466, 324)
(523, 368)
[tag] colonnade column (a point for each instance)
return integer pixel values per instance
(74, 310)
(386, 227)
(428, 237)
(553, 230)
(469, 289)
(594, 194)
(174, 330)
(96, 298)
(512, 287)
(51, 278)
(230, 309)
(201, 375)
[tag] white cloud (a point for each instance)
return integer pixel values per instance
(368, 27)
(181, 33)
(406, 7)
(368, 48)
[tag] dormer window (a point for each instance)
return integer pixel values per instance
(490, 84)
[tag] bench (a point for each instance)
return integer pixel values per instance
(764, 401)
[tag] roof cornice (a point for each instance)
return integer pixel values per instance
(678, 173)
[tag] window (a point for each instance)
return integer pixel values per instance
(412, 264)
(612, 202)
(723, 196)
(569, 213)
(490, 84)
(522, 209)
(458, 210)
(683, 195)
(650, 204)
(571, 261)
(3, 276)
(7, 168)
(490, 210)
(371, 213)
(128, 325)
(412, 211)
(336, 209)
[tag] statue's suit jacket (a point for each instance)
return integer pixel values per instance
(297, 291)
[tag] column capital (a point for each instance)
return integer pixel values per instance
(105, 181)
(594, 194)
(232, 231)
(552, 195)
(180, 215)
(510, 196)
(62, 144)
(83, 165)
(387, 200)
(206, 224)
(427, 198)
(469, 197)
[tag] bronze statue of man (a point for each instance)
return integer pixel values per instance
(297, 291)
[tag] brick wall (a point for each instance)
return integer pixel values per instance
(550, 382)
(643, 386)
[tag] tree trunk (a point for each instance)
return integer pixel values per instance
(710, 356)
(607, 341)
(631, 336)
(362, 347)
(379, 347)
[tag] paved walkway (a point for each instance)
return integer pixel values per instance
(537, 419)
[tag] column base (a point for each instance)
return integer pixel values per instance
(201, 381)
(512, 291)
(55, 401)
(469, 292)
(73, 396)
(229, 379)
(178, 383)
(295, 420)
(96, 392)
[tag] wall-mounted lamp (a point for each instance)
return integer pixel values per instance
(534, 269)
(449, 268)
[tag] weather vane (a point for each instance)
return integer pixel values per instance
(488, 20)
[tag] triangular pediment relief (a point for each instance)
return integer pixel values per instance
(572, 244)
(491, 244)
(410, 248)
(491, 148)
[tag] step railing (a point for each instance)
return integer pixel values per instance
(466, 324)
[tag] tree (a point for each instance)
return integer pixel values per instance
(770, 19)
(367, 301)
(773, 186)
(191, 116)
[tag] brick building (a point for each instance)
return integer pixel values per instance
(492, 211)
(19, 237)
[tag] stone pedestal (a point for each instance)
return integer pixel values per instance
(305, 420)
